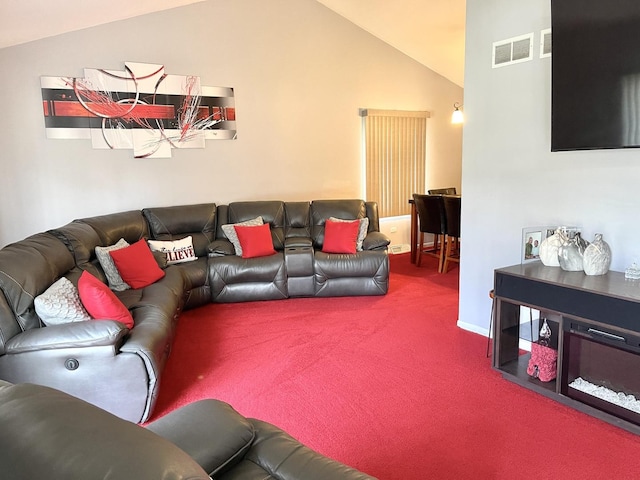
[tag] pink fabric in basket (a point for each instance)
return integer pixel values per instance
(543, 362)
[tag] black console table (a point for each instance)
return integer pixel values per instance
(595, 322)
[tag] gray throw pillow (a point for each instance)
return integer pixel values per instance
(60, 303)
(110, 270)
(231, 234)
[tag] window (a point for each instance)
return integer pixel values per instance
(395, 157)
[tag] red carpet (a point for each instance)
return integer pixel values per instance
(389, 385)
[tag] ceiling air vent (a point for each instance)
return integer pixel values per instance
(545, 43)
(513, 50)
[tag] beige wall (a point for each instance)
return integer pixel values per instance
(300, 73)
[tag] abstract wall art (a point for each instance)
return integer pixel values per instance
(140, 108)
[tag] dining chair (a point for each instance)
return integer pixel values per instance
(431, 218)
(442, 191)
(452, 208)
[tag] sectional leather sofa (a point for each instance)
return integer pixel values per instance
(119, 368)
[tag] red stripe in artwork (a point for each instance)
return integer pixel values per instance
(75, 109)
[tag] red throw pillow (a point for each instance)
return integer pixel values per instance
(136, 264)
(255, 240)
(340, 237)
(101, 302)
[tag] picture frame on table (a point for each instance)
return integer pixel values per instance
(531, 239)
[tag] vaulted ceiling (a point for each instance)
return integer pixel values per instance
(429, 31)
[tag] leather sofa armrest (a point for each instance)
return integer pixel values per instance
(221, 248)
(210, 431)
(282, 456)
(50, 434)
(293, 242)
(375, 241)
(91, 333)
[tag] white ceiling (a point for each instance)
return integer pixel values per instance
(22, 21)
(429, 31)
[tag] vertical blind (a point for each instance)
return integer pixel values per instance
(395, 158)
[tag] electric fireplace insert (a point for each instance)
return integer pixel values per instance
(601, 368)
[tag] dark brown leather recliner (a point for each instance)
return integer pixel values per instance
(49, 434)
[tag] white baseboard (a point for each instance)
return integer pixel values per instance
(522, 344)
(405, 247)
(473, 328)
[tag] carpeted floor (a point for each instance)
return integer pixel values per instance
(389, 385)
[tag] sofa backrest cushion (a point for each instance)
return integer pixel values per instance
(321, 210)
(27, 269)
(80, 239)
(222, 218)
(130, 225)
(298, 220)
(83, 236)
(373, 215)
(272, 212)
(50, 434)
(176, 223)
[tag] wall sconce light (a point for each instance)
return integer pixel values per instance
(457, 116)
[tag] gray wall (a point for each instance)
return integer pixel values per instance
(300, 73)
(510, 178)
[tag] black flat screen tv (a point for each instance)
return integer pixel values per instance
(595, 74)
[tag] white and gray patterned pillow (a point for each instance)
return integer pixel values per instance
(110, 270)
(231, 234)
(60, 303)
(363, 228)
